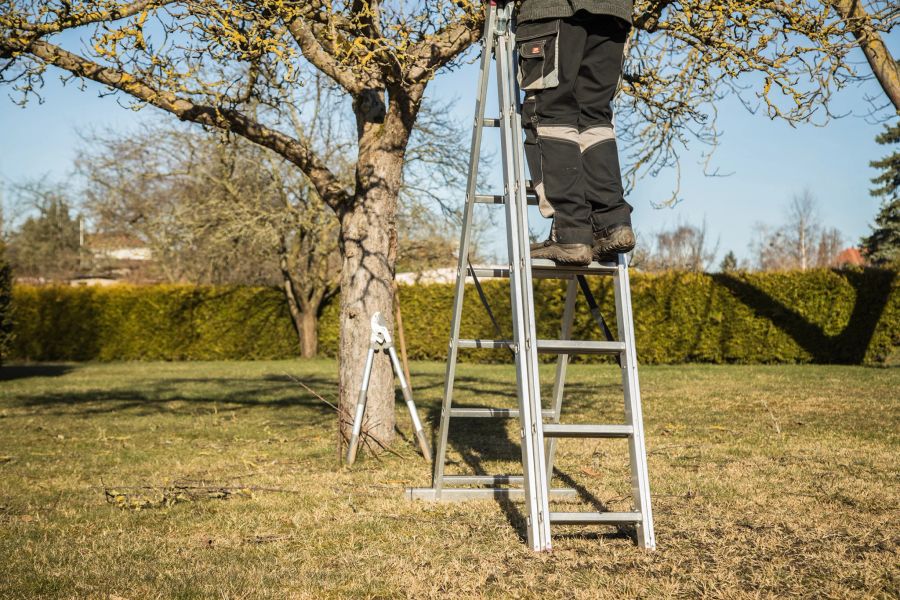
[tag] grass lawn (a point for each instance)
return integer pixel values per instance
(220, 479)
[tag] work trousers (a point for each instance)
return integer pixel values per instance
(569, 70)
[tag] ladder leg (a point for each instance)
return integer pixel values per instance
(360, 408)
(437, 481)
(561, 364)
(640, 481)
(522, 300)
(407, 396)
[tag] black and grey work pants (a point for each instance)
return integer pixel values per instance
(569, 70)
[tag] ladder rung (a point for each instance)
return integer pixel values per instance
(579, 347)
(562, 430)
(500, 199)
(592, 518)
(490, 122)
(457, 494)
(486, 344)
(484, 479)
(510, 413)
(552, 346)
(547, 269)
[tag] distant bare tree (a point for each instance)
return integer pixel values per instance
(801, 242)
(46, 243)
(218, 210)
(684, 248)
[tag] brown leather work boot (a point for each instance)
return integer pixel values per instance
(612, 240)
(562, 254)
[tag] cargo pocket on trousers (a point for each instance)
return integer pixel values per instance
(533, 154)
(538, 48)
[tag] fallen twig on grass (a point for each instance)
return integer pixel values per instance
(346, 423)
(149, 496)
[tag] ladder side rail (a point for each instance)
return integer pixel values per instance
(487, 52)
(640, 481)
(518, 204)
(562, 364)
(532, 488)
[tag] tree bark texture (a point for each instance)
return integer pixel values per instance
(368, 240)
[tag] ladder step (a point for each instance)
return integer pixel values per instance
(457, 494)
(547, 269)
(594, 518)
(490, 122)
(561, 430)
(552, 346)
(484, 479)
(510, 413)
(499, 199)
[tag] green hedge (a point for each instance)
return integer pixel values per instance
(5, 304)
(822, 316)
(151, 323)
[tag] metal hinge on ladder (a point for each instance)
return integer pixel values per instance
(538, 439)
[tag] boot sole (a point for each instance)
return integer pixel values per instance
(573, 261)
(620, 242)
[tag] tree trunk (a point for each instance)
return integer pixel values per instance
(309, 334)
(369, 247)
(368, 242)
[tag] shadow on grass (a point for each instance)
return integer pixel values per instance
(8, 373)
(847, 347)
(169, 396)
(480, 441)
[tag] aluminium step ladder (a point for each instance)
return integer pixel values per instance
(538, 439)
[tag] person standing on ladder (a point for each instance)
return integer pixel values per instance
(570, 63)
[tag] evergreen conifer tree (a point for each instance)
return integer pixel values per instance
(882, 246)
(729, 263)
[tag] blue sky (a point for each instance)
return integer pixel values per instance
(770, 161)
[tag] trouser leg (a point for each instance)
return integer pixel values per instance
(598, 79)
(549, 58)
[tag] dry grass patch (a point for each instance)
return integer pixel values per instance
(220, 480)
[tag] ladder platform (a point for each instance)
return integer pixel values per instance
(594, 518)
(483, 413)
(561, 430)
(547, 269)
(551, 346)
(491, 493)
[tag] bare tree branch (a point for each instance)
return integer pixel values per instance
(296, 151)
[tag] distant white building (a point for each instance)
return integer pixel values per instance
(118, 247)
